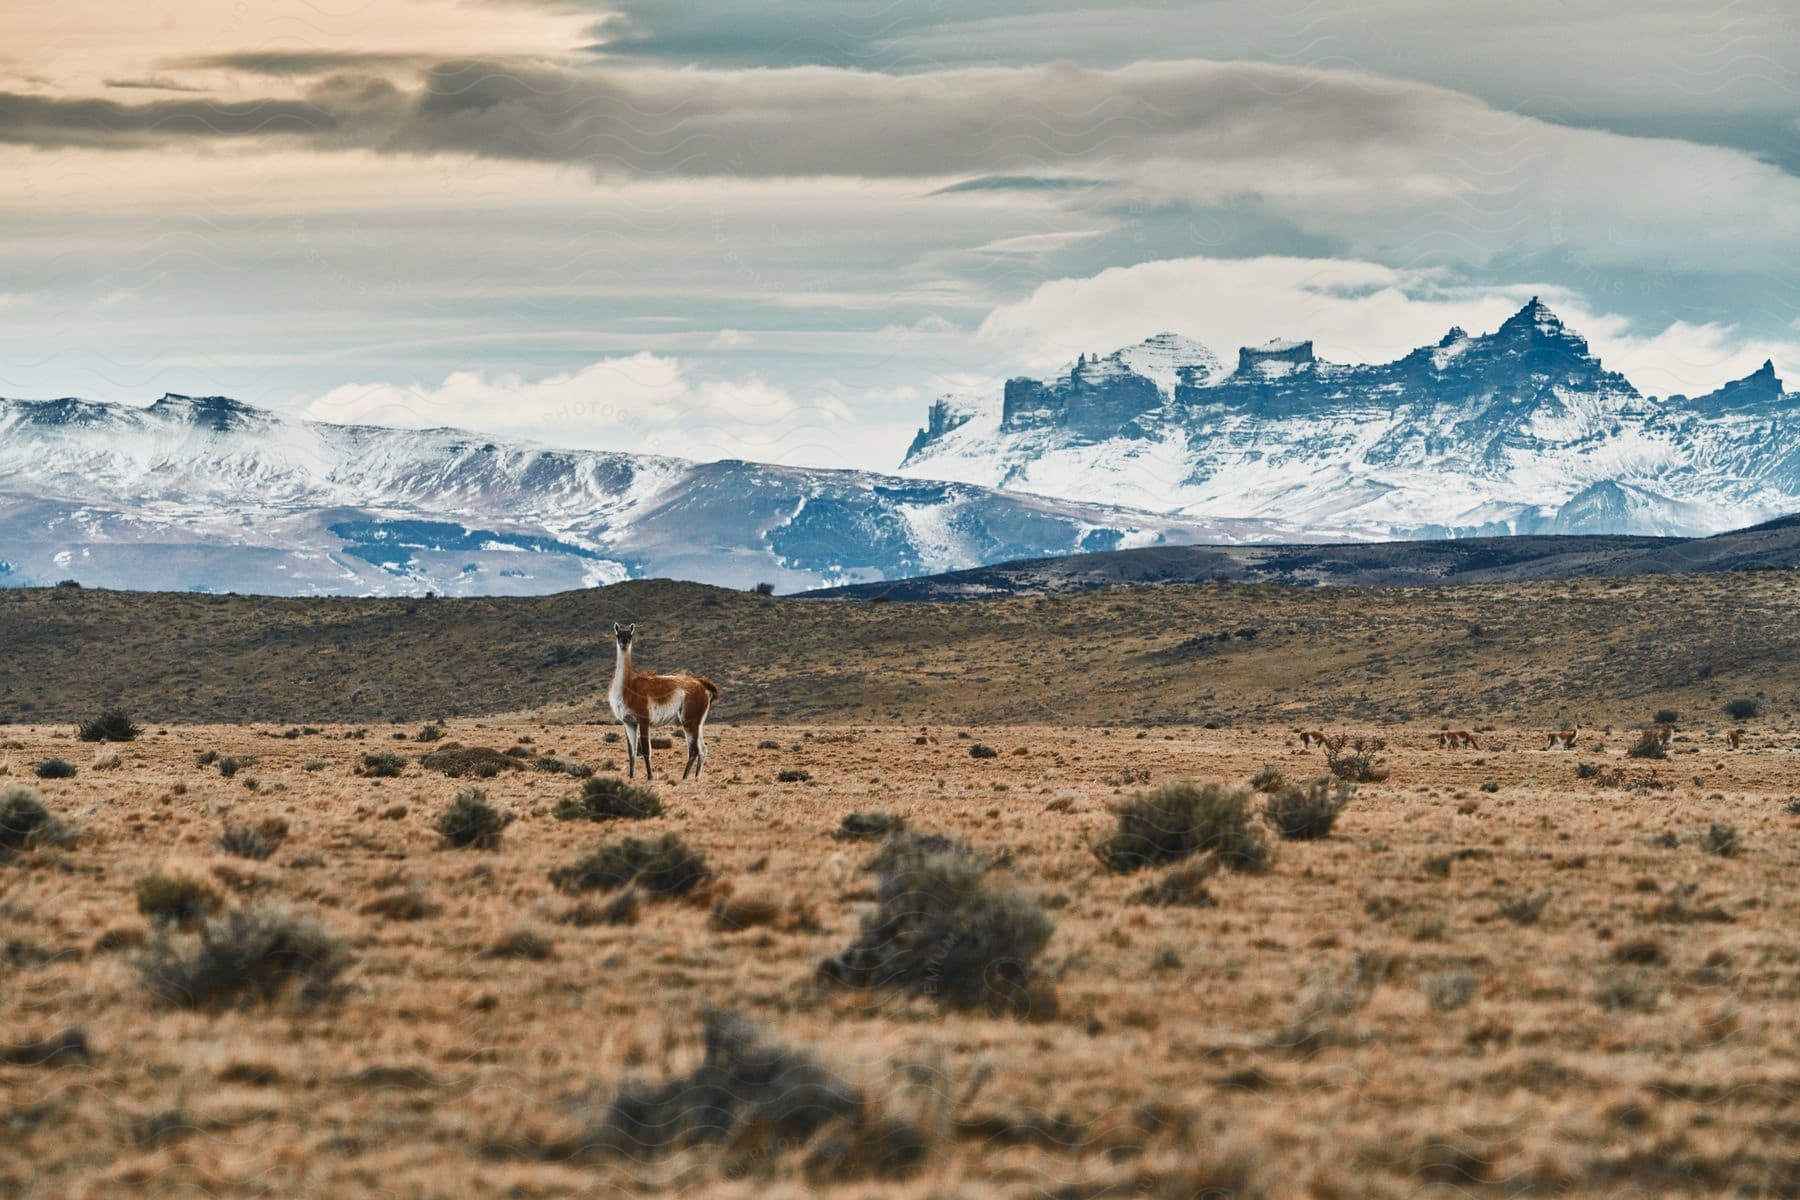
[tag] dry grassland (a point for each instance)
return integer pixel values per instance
(1493, 978)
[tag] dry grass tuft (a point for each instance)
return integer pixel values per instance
(864, 826)
(609, 798)
(940, 930)
(113, 725)
(762, 1101)
(25, 824)
(177, 898)
(1183, 885)
(246, 954)
(662, 866)
(1306, 811)
(259, 841)
(1179, 819)
(476, 762)
(470, 822)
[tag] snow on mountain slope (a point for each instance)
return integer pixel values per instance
(211, 494)
(1518, 431)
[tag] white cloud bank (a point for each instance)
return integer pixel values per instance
(639, 403)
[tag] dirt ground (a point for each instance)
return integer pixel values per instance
(1494, 978)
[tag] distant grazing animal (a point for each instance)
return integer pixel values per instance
(1311, 738)
(1563, 739)
(1450, 739)
(1734, 738)
(640, 700)
(1663, 735)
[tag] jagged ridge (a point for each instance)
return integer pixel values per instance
(1521, 430)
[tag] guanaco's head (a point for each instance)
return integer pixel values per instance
(622, 634)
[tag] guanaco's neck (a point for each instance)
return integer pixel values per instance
(622, 669)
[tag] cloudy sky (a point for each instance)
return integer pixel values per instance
(775, 229)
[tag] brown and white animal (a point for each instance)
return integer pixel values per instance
(1311, 738)
(1450, 739)
(1734, 738)
(641, 700)
(1563, 739)
(1663, 735)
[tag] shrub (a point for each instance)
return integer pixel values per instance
(245, 954)
(1721, 839)
(429, 733)
(106, 759)
(1743, 708)
(314, 764)
(56, 768)
(523, 943)
(1524, 910)
(941, 930)
(607, 798)
(206, 758)
(257, 841)
(471, 822)
(176, 898)
(381, 766)
(764, 589)
(792, 775)
(748, 1092)
(480, 762)
(1665, 716)
(734, 914)
(1268, 779)
(25, 823)
(231, 764)
(1587, 770)
(1449, 990)
(69, 1046)
(663, 866)
(1179, 819)
(1629, 988)
(1648, 746)
(622, 909)
(868, 825)
(557, 766)
(1182, 886)
(1309, 810)
(402, 904)
(113, 725)
(768, 744)
(1356, 759)
(978, 750)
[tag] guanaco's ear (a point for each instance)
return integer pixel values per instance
(615, 628)
(631, 628)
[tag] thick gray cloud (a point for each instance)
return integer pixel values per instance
(299, 62)
(1375, 167)
(47, 121)
(1726, 73)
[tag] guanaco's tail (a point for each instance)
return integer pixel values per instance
(709, 685)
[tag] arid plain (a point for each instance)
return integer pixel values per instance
(1505, 971)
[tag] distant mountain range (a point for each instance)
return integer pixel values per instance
(1158, 445)
(1773, 546)
(209, 494)
(1517, 431)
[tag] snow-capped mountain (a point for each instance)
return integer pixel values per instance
(211, 494)
(1521, 430)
